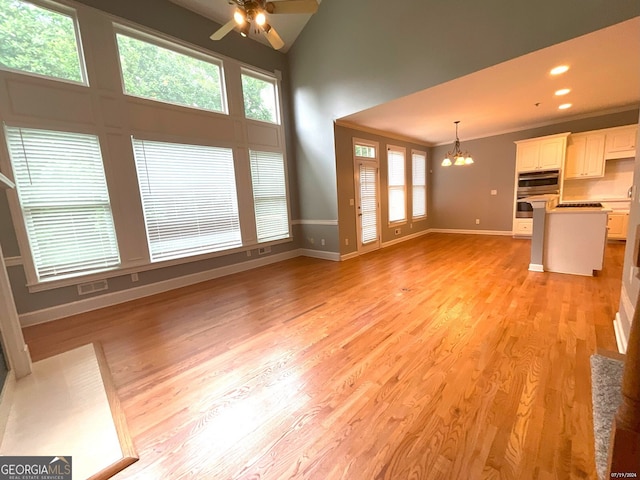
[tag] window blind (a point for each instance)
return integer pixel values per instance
(397, 210)
(419, 184)
(269, 195)
(64, 199)
(189, 198)
(368, 203)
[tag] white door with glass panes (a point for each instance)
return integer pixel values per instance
(368, 196)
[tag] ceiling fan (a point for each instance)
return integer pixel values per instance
(254, 13)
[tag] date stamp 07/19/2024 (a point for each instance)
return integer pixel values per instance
(624, 474)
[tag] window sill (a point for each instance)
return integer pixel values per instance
(142, 266)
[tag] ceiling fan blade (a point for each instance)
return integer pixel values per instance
(222, 31)
(292, 6)
(273, 37)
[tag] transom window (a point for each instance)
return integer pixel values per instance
(260, 97)
(64, 199)
(365, 151)
(40, 41)
(158, 73)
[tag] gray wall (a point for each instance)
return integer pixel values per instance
(346, 187)
(358, 54)
(460, 195)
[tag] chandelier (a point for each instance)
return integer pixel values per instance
(457, 156)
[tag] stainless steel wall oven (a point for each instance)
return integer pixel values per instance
(535, 183)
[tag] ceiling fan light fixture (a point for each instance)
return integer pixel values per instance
(239, 16)
(461, 158)
(244, 31)
(261, 18)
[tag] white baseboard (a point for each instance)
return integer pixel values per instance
(618, 324)
(395, 241)
(86, 305)
(504, 233)
(306, 252)
(621, 338)
(349, 256)
(536, 267)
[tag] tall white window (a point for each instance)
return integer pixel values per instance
(64, 199)
(269, 195)
(41, 41)
(396, 184)
(419, 184)
(260, 97)
(159, 73)
(188, 197)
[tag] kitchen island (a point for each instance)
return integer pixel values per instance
(568, 238)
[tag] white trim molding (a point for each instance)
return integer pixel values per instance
(536, 267)
(12, 261)
(349, 256)
(315, 222)
(333, 256)
(86, 305)
(621, 332)
(404, 238)
(505, 233)
(621, 339)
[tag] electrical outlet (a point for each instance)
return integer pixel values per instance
(346, 241)
(134, 277)
(322, 242)
(494, 192)
(398, 231)
(351, 202)
(311, 240)
(477, 221)
(248, 253)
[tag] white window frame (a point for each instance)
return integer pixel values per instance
(286, 191)
(403, 187)
(267, 78)
(66, 11)
(144, 36)
(373, 161)
(213, 248)
(413, 184)
(33, 282)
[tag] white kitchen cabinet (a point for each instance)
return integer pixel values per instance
(523, 227)
(621, 142)
(617, 224)
(585, 156)
(543, 153)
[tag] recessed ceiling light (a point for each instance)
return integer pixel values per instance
(562, 91)
(559, 69)
(564, 106)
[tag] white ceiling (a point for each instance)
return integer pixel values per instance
(288, 26)
(604, 75)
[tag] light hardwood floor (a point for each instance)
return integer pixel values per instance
(438, 358)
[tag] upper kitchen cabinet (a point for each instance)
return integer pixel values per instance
(585, 156)
(621, 142)
(542, 153)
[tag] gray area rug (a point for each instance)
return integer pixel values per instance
(606, 381)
